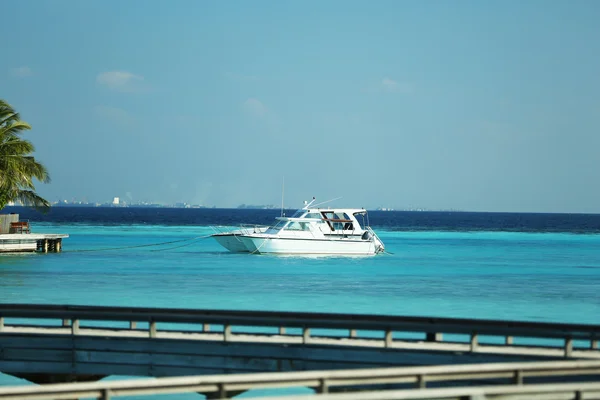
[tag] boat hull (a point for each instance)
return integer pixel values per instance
(278, 245)
(231, 242)
(231, 239)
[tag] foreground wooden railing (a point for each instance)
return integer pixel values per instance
(512, 377)
(355, 326)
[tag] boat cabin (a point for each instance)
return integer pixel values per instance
(327, 221)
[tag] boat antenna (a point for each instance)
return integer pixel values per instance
(282, 191)
(307, 204)
(328, 201)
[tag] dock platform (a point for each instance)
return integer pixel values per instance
(31, 242)
(16, 237)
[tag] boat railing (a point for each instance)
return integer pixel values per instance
(254, 228)
(375, 238)
(240, 229)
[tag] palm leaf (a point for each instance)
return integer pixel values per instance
(18, 168)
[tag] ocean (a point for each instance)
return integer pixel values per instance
(534, 267)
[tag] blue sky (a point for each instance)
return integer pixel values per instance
(470, 105)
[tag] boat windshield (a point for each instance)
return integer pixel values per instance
(277, 227)
(338, 221)
(313, 215)
(298, 226)
(360, 219)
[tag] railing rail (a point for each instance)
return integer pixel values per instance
(513, 374)
(565, 391)
(432, 328)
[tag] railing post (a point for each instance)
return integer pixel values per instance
(281, 330)
(474, 342)
(105, 394)
(66, 322)
(352, 333)
(421, 382)
(518, 377)
(594, 344)
(509, 341)
(323, 388)
(205, 327)
(222, 392)
(305, 335)
(388, 338)
(1, 324)
(227, 332)
(568, 347)
(152, 329)
(75, 327)
(132, 325)
(433, 337)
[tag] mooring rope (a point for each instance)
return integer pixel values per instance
(142, 245)
(183, 245)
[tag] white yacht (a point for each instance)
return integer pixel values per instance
(339, 231)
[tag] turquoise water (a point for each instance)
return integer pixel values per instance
(496, 275)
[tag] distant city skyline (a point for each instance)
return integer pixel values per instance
(117, 202)
(466, 105)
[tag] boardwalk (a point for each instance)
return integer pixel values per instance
(521, 380)
(47, 344)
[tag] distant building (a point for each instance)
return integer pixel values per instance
(115, 201)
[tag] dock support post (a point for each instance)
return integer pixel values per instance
(1, 324)
(152, 329)
(45, 245)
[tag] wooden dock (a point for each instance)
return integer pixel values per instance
(31, 242)
(16, 237)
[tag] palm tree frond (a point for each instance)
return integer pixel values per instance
(30, 199)
(14, 128)
(18, 168)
